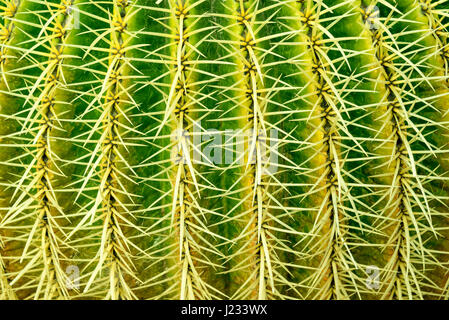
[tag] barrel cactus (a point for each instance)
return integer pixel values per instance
(224, 149)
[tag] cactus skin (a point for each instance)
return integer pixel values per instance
(108, 110)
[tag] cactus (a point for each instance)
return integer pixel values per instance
(232, 149)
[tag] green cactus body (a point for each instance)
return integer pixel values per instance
(235, 149)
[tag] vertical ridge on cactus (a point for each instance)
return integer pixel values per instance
(234, 149)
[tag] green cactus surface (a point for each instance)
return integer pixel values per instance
(224, 149)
